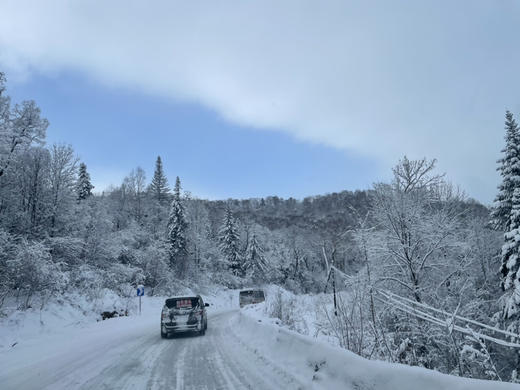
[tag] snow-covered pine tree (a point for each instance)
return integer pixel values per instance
(84, 186)
(177, 225)
(510, 272)
(159, 188)
(511, 261)
(255, 265)
(509, 169)
(230, 243)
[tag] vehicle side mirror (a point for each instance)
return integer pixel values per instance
(206, 304)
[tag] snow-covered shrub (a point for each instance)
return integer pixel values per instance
(154, 263)
(7, 277)
(477, 361)
(88, 281)
(65, 249)
(33, 272)
(283, 307)
(348, 323)
(122, 278)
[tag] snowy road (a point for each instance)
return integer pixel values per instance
(218, 360)
(239, 351)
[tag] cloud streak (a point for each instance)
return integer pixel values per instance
(376, 78)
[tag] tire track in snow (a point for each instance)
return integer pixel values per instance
(267, 373)
(71, 369)
(179, 377)
(133, 368)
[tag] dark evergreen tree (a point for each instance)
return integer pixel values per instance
(84, 186)
(159, 188)
(509, 169)
(177, 225)
(230, 243)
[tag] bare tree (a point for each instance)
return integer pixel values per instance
(135, 184)
(62, 172)
(20, 127)
(418, 213)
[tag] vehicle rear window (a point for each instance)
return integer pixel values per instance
(252, 294)
(182, 303)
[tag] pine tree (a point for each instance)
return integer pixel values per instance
(255, 265)
(510, 171)
(510, 261)
(506, 216)
(159, 188)
(230, 243)
(177, 225)
(84, 186)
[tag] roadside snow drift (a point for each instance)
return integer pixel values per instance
(325, 366)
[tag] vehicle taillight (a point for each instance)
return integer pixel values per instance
(164, 314)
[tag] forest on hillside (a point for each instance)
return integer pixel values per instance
(417, 237)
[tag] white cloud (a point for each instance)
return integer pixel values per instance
(382, 79)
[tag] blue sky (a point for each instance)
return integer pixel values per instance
(291, 98)
(115, 129)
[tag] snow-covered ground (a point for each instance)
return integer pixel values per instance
(322, 365)
(73, 312)
(241, 349)
(70, 312)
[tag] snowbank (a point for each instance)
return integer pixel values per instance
(57, 316)
(335, 368)
(66, 316)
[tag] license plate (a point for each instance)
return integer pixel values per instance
(182, 319)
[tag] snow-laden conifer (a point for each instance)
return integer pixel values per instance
(255, 265)
(177, 225)
(230, 243)
(510, 261)
(509, 169)
(84, 186)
